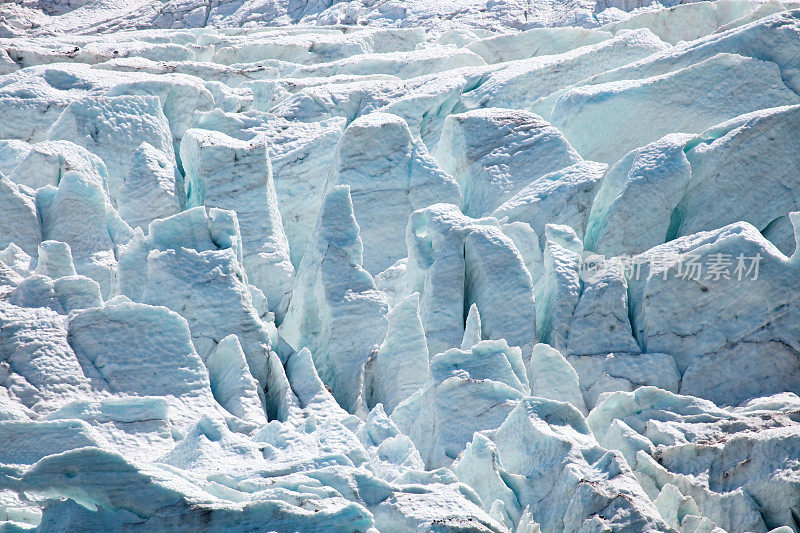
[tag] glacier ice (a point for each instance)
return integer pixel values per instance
(772, 38)
(301, 154)
(552, 377)
(232, 382)
(400, 367)
(534, 42)
(228, 173)
(402, 64)
(54, 260)
(476, 148)
(664, 162)
(725, 338)
(455, 261)
(687, 22)
(690, 181)
(489, 380)
(643, 110)
(387, 184)
(520, 83)
(93, 242)
(336, 311)
(114, 125)
(562, 197)
(19, 224)
(480, 266)
(44, 163)
(573, 484)
(150, 190)
(659, 430)
(732, 143)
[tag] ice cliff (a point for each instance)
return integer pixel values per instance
(391, 266)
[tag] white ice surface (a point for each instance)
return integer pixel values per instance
(390, 266)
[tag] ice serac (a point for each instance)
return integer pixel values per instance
(55, 260)
(478, 466)
(728, 355)
(301, 154)
(527, 242)
(519, 84)
(466, 391)
(233, 384)
(679, 179)
(392, 282)
(150, 190)
(392, 451)
(390, 175)
(78, 213)
(400, 367)
(534, 42)
(494, 153)
(12, 153)
(194, 229)
(651, 179)
(552, 377)
(508, 299)
(559, 287)
(61, 82)
(728, 159)
(473, 332)
(180, 96)
(158, 356)
(113, 128)
(623, 371)
(29, 117)
(729, 461)
(423, 102)
(600, 321)
(16, 260)
(42, 373)
(454, 261)
(404, 65)
(336, 310)
(47, 161)
(436, 267)
(312, 395)
(35, 291)
(53, 284)
(213, 299)
(772, 38)
(561, 197)
(20, 221)
(227, 173)
(216, 299)
(639, 111)
(572, 484)
(687, 22)
(77, 292)
(139, 427)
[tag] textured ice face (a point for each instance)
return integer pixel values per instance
(399, 266)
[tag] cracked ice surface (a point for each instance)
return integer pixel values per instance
(387, 266)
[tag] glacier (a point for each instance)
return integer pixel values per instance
(400, 266)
